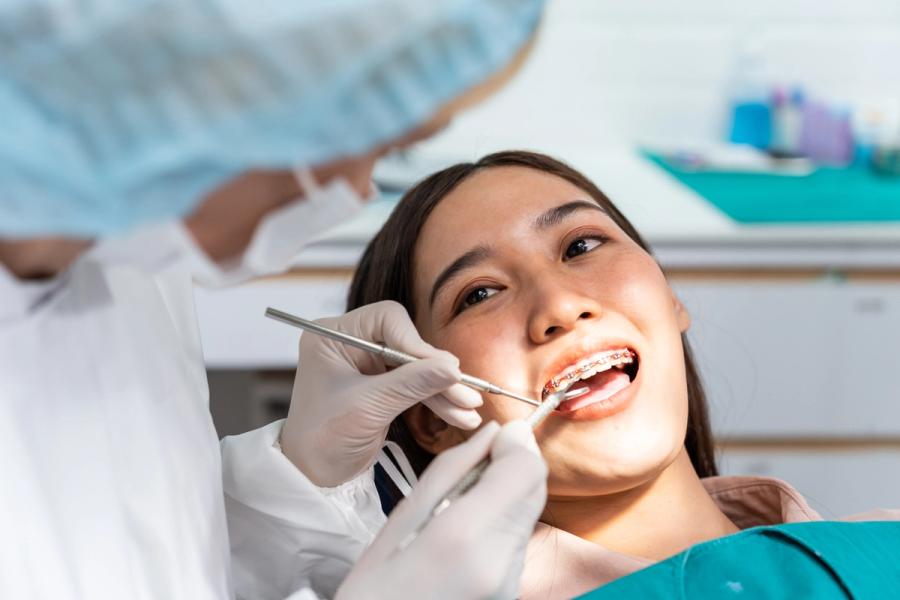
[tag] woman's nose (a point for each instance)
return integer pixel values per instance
(557, 311)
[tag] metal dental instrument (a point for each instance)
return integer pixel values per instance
(389, 354)
(469, 480)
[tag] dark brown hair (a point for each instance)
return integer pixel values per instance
(386, 270)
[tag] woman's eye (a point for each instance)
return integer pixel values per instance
(479, 294)
(581, 246)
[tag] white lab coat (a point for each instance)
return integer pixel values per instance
(110, 465)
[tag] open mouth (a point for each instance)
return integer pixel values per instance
(604, 373)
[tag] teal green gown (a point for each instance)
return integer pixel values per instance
(820, 560)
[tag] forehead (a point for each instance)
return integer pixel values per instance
(494, 205)
(503, 192)
(498, 195)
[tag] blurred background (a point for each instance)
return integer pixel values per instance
(756, 146)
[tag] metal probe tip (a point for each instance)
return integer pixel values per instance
(575, 393)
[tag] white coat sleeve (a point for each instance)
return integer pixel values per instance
(286, 533)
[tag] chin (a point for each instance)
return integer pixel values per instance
(612, 467)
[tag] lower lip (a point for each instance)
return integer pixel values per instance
(600, 409)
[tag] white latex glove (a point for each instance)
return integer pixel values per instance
(476, 547)
(344, 398)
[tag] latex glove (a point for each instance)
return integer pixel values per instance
(344, 398)
(476, 547)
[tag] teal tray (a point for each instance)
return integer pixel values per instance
(828, 195)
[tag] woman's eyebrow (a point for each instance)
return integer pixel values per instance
(557, 214)
(469, 259)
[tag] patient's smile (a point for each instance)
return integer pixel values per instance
(607, 375)
(588, 367)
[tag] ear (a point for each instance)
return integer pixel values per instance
(430, 431)
(682, 316)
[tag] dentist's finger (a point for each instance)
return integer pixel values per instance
(463, 396)
(513, 436)
(464, 418)
(415, 382)
(423, 381)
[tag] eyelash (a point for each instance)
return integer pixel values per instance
(465, 296)
(577, 237)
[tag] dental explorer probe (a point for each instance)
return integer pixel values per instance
(469, 480)
(389, 354)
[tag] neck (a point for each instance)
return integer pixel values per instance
(654, 520)
(40, 258)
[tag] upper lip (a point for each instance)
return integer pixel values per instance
(576, 354)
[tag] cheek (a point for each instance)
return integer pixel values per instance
(642, 293)
(646, 300)
(491, 349)
(503, 410)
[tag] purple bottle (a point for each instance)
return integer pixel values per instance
(842, 146)
(827, 136)
(812, 132)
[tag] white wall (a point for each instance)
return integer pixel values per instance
(608, 73)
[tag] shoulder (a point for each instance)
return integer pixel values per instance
(880, 514)
(755, 501)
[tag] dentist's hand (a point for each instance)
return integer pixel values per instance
(344, 398)
(476, 547)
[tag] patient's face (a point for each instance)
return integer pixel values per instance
(552, 292)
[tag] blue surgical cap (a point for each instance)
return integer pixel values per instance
(118, 112)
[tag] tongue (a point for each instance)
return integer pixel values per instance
(605, 384)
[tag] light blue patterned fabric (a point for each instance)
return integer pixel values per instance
(117, 112)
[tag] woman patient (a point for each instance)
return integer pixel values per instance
(525, 270)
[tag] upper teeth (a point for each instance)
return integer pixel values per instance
(589, 367)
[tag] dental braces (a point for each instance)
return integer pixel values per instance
(618, 357)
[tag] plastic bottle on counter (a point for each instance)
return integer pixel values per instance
(886, 155)
(751, 118)
(827, 135)
(867, 125)
(815, 130)
(787, 122)
(840, 149)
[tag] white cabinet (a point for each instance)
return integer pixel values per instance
(799, 359)
(836, 481)
(237, 335)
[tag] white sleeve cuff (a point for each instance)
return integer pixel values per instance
(285, 532)
(357, 499)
